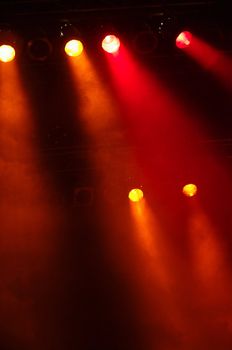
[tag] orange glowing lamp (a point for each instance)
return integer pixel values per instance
(190, 190)
(74, 48)
(111, 43)
(136, 195)
(183, 40)
(7, 53)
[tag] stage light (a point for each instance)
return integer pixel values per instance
(9, 44)
(39, 48)
(71, 39)
(73, 48)
(7, 53)
(111, 43)
(189, 190)
(183, 40)
(145, 41)
(146, 37)
(135, 195)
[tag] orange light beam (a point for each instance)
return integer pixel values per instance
(209, 258)
(98, 114)
(28, 220)
(211, 275)
(157, 280)
(96, 106)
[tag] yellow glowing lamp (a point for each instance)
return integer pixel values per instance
(190, 190)
(74, 48)
(7, 53)
(135, 195)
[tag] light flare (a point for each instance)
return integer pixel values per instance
(183, 40)
(136, 195)
(189, 190)
(7, 53)
(74, 48)
(111, 43)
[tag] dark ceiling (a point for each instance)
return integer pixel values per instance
(59, 6)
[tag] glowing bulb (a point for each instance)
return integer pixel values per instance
(111, 44)
(190, 190)
(135, 195)
(183, 40)
(7, 53)
(74, 48)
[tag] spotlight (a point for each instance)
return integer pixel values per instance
(135, 195)
(39, 48)
(73, 48)
(111, 43)
(146, 41)
(146, 38)
(71, 39)
(7, 45)
(189, 190)
(183, 40)
(7, 53)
